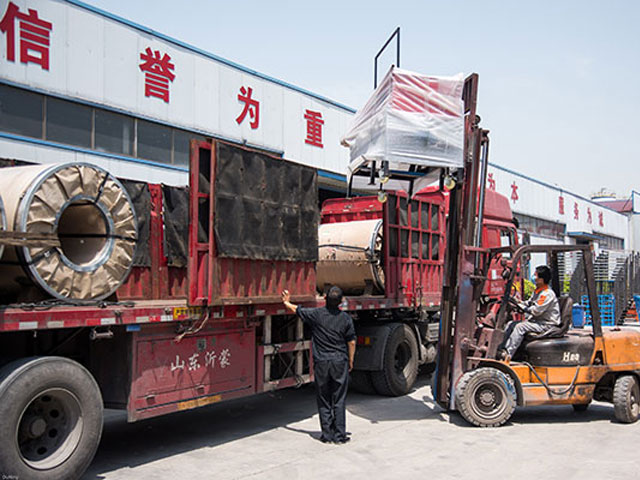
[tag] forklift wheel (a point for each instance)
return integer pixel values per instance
(486, 397)
(626, 398)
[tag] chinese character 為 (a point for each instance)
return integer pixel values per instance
(34, 36)
(251, 106)
(157, 74)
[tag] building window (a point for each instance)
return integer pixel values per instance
(610, 242)
(20, 112)
(113, 132)
(30, 114)
(154, 142)
(69, 122)
(538, 226)
(182, 146)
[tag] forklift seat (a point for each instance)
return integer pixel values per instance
(566, 312)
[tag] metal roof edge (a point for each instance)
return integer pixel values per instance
(562, 190)
(204, 53)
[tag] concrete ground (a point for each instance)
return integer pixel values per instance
(275, 436)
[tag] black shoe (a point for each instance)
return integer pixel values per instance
(324, 439)
(342, 441)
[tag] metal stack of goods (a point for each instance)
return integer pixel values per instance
(89, 212)
(350, 256)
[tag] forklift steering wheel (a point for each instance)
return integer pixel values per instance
(515, 304)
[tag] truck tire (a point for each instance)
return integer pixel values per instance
(399, 364)
(486, 397)
(360, 381)
(51, 418)
(626, 396)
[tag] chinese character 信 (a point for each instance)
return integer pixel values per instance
(514, 192)
(34, 36)
(157, 74)
(225, 356)
(251, 106)
(492, 182)
(314, 128)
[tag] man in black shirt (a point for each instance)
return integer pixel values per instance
(333, 342)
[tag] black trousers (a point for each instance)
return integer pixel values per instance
(332, 380)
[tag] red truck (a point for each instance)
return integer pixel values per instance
(200, 320)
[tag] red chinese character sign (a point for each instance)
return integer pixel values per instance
(251, 106)
(514, 192)
(561, 205)
(34, 36)
(314, 128)
(157, 74)
(492, 182)
(576, 211)
(589, 218)
(601, 219)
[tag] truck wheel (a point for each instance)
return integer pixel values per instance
(51, 411)
(626, 396)
(361, 382)
(486, 397)
(399, 365)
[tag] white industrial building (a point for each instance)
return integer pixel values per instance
(81, 84)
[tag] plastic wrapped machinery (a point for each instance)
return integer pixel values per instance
(411, 119)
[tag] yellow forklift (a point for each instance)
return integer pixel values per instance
(561, 367)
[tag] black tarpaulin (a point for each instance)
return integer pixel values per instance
(176, 225)
(141, 199)
(265, 208)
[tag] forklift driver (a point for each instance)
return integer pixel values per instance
(542, 312)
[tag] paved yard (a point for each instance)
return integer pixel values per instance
(275, 436)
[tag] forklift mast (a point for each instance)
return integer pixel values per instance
(464, 259)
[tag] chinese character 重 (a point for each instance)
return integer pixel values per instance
(314, 128)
